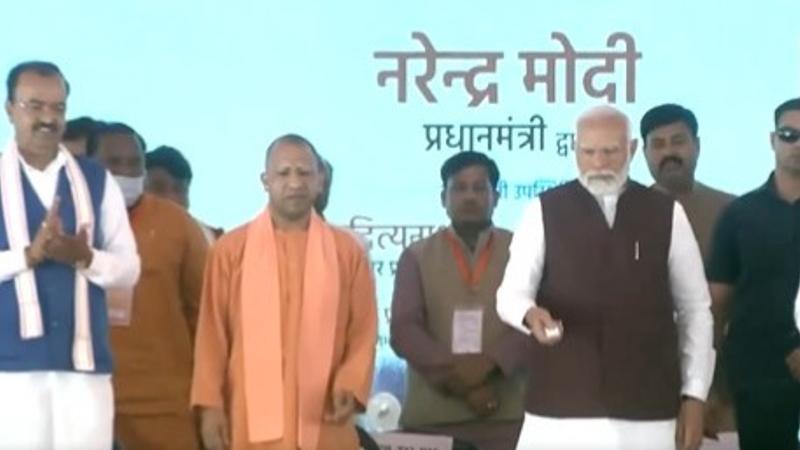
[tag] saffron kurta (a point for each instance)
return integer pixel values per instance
(219, 377)
(153, 355)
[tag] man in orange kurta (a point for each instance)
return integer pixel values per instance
(152, 337)
(288, 324)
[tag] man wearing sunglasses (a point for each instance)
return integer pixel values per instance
(753, 274)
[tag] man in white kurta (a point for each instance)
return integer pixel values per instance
(64, 240)
(607, 277)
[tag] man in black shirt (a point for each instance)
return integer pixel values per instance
(753, 272)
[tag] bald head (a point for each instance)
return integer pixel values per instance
(604, 149)
(294, 140)
(292, 178)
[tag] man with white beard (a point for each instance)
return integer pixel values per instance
(607, 276)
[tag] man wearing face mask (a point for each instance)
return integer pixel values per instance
(607, 276)
(63, 241)
(153, 326)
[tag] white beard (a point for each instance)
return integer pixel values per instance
(601, 183)
(606, 186)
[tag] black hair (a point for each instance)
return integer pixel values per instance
(462, 160)
(104, 128)
(80, 127)
(43, 68)
(171, 160)
(788, 105)
(667, 114)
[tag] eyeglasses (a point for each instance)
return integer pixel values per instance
(788, 135)
(38, 107)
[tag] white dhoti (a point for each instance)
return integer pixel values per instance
(56, 411)
(549, 433)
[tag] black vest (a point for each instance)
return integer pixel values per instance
(619, 355)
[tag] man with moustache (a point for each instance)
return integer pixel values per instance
(672, 147)
(64, 240)
(608, 278)
(462, 382)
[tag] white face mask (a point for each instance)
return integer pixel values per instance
(132, 188)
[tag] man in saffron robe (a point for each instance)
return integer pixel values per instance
(288, 324)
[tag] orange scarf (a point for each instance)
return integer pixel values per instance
(261, 331)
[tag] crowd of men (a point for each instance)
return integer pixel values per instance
(615, 316)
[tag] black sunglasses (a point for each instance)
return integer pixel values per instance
(788, 135)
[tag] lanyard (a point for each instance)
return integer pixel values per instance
(471, 278)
